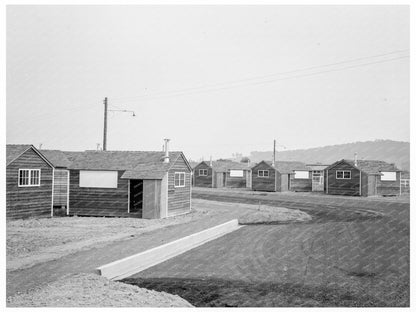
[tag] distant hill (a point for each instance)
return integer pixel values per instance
(390, 151)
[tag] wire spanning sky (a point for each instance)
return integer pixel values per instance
(216, 80)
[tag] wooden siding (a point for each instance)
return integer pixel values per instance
(89, 201)
(261, 183)
(179, 198)
(385, 188)
(236, 182)
(341, 186)
(301, 185)
(32, 201)
(60, 187)
(203, 181)
(151, 198)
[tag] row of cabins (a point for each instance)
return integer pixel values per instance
(344, 177)
(96, 183)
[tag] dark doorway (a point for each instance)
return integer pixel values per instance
(136, 197)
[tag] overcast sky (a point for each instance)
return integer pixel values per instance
(214, 79)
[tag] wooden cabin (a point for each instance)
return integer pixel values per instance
(129, 184)
(29, 182)
(362, 178)
(284, 176)
(405, 182)
(317, 172)
(217, 174)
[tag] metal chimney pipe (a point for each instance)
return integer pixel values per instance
(355, 159)
(166, 158)
(210, 161)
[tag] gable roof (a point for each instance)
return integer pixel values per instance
(368, 166)
(60, 159)
(14, 151)
(224, 166)
(286, 166)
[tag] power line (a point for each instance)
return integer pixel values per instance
(257, 77)
(172, 94)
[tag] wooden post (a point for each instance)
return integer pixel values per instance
(105, 125)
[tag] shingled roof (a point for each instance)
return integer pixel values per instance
(15, 150)
(372, 166)
(288, 166)
(60, 159)
(224, 166)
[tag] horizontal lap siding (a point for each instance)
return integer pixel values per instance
(388, 187)
(300, 185)
(203, 181)
(260, 183)
(344, 187)
(237, 182)
(33, 201)
(179, 198)
(89, 201)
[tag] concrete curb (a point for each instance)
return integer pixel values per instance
(134, 264)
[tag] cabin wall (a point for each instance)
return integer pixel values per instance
(343, 187)
(261, 183)
(151, 199)
(388, 187)
(179, 198)
(91, 201)
(301, 185)
(30, 201)
(237, 182)
(203, 181)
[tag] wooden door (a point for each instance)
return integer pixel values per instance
(317, 181)
(136, 196)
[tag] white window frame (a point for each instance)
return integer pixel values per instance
(263, 174)
(301, 171)
(203, 171)
(174, 179)
(86, 183)
(343, 174)
(29, 177)
(405, 182)
(383, 178)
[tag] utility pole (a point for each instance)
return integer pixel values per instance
(105, 125)
(274, 152)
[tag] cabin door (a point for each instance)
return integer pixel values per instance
(136, 197)
(317, 181)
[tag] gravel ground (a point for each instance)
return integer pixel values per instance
(32, 241)
(273, 215)
(90, 290)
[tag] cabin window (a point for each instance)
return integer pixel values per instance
(179, 179)
(301, 174)
(343, 174)
(203, 172)
(404, 182)
(98, 179)
(29, 177)
(388, 176)
(237, 173)
(263, 173)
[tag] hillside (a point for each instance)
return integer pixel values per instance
(387, 150)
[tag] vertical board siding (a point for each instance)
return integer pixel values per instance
(344, 187)
(388, 187)
(32, 201)
(60, 188)
(203, 181)
(151, 198)
(179, 200)
(91, 201)
(261, 183)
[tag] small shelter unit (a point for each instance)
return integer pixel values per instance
(29, 182)
(222, 174)
(362, 178)
(130, 184)
(283, 176)
(318, 176)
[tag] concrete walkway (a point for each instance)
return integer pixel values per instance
(88, 260)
